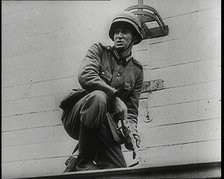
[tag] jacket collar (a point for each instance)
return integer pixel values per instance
(119, 58)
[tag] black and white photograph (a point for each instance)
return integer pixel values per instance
(110, 89)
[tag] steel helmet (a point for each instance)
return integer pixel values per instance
(128, 18)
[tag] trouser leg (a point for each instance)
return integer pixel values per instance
(92, 115)
(110, 154)
(87, 149)
(94, 136)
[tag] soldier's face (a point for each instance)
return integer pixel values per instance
(122, 37)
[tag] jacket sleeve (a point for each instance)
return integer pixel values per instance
(89, 72)
(133, 103)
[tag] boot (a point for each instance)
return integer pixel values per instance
(87, 149)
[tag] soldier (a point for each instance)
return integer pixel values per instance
(113, 80)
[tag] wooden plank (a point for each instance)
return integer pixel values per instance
(33, 167)
(203, 71)
(208, 151)
(189, 93)
(210, 46)
(30, 105)
(178, 47)
(179, 113)
(38, 151)
(178, 7)
(44, 88)
(67, 36)
(50, 72)
(206, 4)
(162, 115)
(151, 136)
(10, 8)
(202, 170)
(34, 136)
(44, 58)
(162, 97)
(180, 133)
(190, 73)
(152, 157)
(33, 120)
(182, 44)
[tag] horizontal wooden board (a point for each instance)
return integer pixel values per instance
(50, 72)
(43, 58)
(53, 87)
(159, 135)
(30, 105)
(63, 32)
(38, 151)
(187, 40)
(209, 151)
(179, 113)
(34, 136)
(150, 137)
(206, 4)
(33, 120)
(189, 93)
(163, 97)
(180, 27)
(161, 115)
(33, 168)
(178, 7)
(180, 133)
(210, 45)
(189, 73)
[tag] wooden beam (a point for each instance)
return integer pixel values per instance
(201, 170)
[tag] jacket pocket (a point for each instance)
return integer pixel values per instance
(127, 89)
(127, 86)
(106, 75)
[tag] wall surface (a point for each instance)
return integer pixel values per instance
(43, 43)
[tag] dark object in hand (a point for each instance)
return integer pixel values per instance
(128, 140)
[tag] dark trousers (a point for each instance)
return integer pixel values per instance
(97, 149)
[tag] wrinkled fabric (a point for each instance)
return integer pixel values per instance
(102, 74)
(101, 70)
(97, 150)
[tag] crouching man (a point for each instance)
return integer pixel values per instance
(112, 79)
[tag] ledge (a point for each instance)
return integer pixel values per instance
(201, 170)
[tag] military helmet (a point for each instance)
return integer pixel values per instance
(128, 18)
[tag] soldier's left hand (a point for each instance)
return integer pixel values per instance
(137, 140)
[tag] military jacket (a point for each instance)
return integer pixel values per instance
(103, 69)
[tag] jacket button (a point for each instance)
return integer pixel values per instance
(118, 74)
(103, 72)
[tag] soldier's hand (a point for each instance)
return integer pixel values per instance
(120, 109)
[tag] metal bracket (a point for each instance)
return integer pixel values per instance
(148, 14)
(149, 86)
(152, 85)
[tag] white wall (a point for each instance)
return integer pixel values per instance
(43, 43)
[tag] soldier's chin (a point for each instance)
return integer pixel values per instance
(119, 48)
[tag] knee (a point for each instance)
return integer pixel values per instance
(94, 109)
(98, 97)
